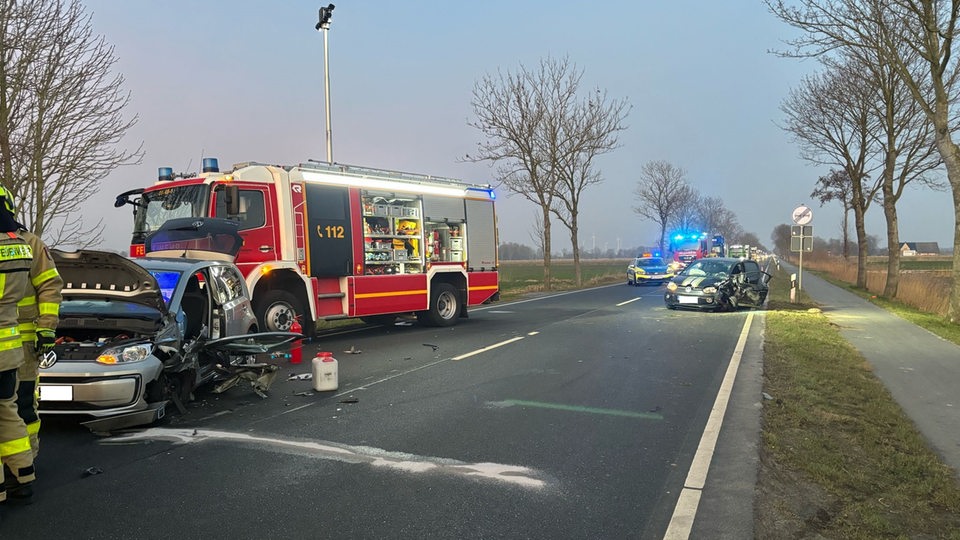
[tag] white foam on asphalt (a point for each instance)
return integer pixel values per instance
(376, 457)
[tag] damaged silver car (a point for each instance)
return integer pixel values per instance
(138, 334)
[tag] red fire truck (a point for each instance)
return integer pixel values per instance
(331, 241)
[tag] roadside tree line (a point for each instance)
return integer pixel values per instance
(881, 112)
(666, 197)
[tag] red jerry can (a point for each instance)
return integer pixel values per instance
(296, 350)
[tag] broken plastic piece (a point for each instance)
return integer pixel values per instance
(90, 471)
(300, 377)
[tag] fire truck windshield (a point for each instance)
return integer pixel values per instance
(158, 206)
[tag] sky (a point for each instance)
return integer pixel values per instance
(243, 81)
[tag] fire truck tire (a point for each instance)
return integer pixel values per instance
(276, 311)
(444, 307)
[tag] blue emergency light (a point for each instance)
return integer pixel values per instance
(211, 165)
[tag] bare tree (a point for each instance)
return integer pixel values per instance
(781, 237)
(61, 116)
(837, 186)
(831, 118)
(906, 140)
(716, 218)
(926, 27)
(544, 139)
(579, 131)
(662, 193)
(511, 110)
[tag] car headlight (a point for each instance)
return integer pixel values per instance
(672, 286)
(709, 290)
(639, 271)
(125, 354)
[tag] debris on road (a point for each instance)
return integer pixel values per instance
(90, 471)
(353, 350)
(434, 347)
(350, 400)
(300, 377)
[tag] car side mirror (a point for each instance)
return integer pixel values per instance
(765, 277)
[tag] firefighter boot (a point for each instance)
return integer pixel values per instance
(17, 493)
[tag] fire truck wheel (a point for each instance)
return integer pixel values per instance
(444, 306)
(277, 310)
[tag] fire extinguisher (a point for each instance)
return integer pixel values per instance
(296, 350)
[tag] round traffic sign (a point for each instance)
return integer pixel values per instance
(802, 215)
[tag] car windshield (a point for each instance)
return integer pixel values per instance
(650, 261)
(167, 280)
(159, 206)
(707, 268)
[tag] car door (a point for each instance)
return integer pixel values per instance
(752, 282)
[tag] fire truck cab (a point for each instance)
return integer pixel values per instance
(331, 241)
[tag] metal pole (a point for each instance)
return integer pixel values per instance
(326, 84)
(800, 273)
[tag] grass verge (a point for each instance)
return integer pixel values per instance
(839, 459)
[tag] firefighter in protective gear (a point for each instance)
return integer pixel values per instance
(16, 259)
(39, 314)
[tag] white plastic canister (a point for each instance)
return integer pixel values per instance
(325, 375)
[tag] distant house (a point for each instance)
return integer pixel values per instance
(913, 249)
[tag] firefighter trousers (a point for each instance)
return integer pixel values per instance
(27, 396)
(15, 453)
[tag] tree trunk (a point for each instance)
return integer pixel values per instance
(578, 277)
(546, 248)
(893, 240)
(951, 158)
(846, 233)
(858, 223)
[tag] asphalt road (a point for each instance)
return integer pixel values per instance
(569, 416)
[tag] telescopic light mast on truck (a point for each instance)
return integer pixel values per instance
(331, 241)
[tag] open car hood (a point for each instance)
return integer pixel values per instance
(100, 275)
(195, 238)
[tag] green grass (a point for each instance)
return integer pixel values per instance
(524, 277)
(833, 429)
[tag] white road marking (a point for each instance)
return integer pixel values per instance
(485, 349)
(376, 457)
(686, 510)
(627, 302)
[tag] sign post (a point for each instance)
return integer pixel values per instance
(801, 239)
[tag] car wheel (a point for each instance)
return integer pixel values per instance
(276, 311)
(444, 306)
